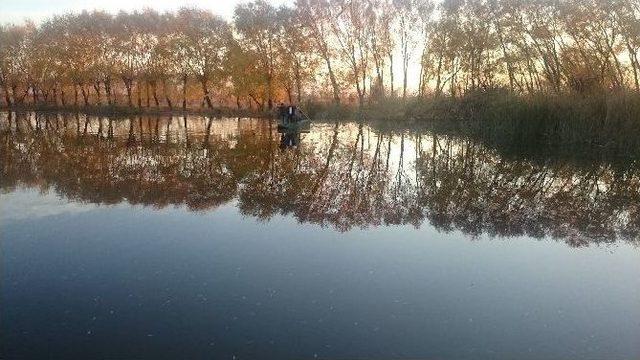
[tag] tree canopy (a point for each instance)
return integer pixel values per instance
(322, 50)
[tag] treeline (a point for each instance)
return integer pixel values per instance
(340, 51)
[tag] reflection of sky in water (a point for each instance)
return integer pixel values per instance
(172, 283)
(32, 204)
(164, 282)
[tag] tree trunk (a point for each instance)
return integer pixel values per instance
(166, 93)
(633, 59)
(439, 76)
(379, 74)
(298, 82)
(391, 87)
(14, 91)
(34, 94)
(7, 96)
(184, 92)
(147, 93)
(155, 95)
(422, 83)
(260, 106)
(85, 95)
(107, 90)
(205, 90)
(405, 68)
(334, 82)
(269, 91)
(96, 87)
(289, 94)
(128, 84)
(635, 72)
(360, 93)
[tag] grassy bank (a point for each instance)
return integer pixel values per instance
(603, 124)
(603, 120)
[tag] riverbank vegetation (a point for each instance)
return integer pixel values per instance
(509, 70)
(601, 124)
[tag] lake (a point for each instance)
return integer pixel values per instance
(166, 237)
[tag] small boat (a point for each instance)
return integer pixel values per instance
(291, 118)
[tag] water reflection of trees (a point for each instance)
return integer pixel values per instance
(474, 190)
(343, 176)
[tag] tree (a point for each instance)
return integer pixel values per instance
(204, 41)
(297, 55)
(316, 14)
(258, 26)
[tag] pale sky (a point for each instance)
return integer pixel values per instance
(17, 11)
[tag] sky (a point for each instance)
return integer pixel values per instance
(17, 12)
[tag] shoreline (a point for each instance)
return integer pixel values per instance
(601, 122)
(517, 140)
(123, 111)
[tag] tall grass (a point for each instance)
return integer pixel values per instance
(595, 124)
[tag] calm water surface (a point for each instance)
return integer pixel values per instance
(198, 238)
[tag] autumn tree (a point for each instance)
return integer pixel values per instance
(326, 49)
(204, 40)
(298, 61)
(258, 27)
(317, 15)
